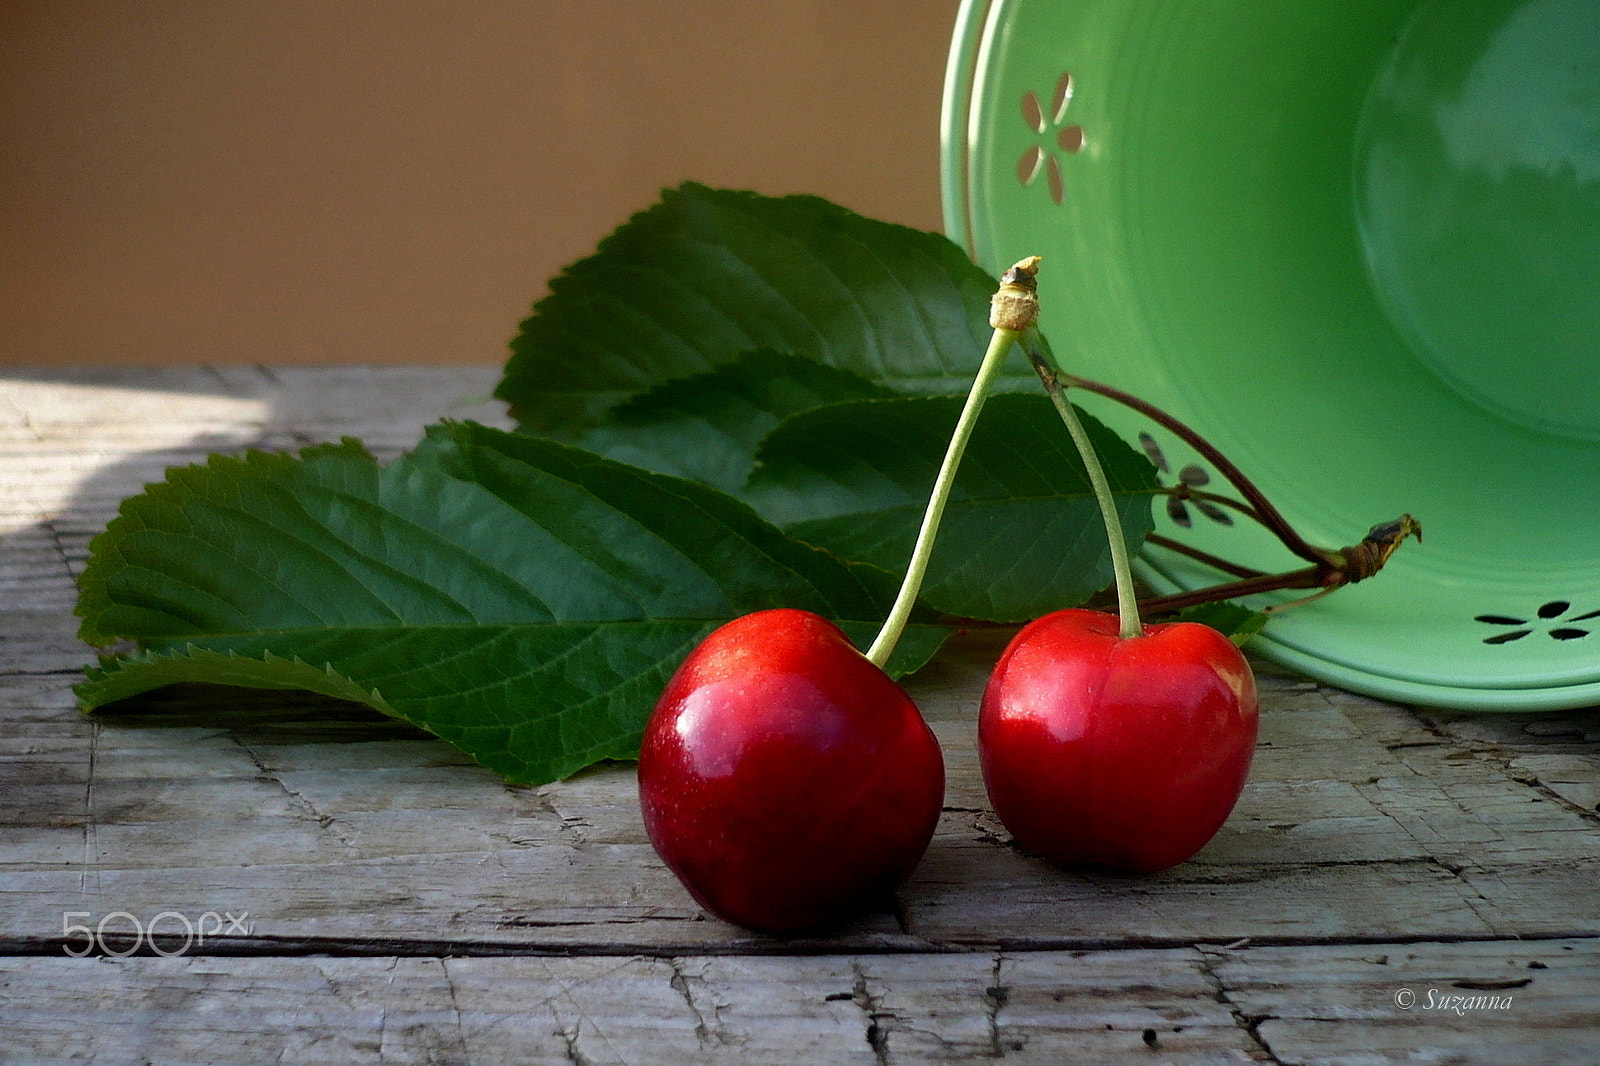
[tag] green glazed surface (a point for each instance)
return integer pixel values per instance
(1357, 245)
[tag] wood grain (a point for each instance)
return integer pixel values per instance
(400, 903)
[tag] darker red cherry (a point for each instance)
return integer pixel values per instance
(1128, 753)
(786, 780)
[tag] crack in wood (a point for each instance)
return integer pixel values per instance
(570, 827)
(994, 1000)
(877, 1033)
(1200, 874)
(568, 1035)
(520, 922)
(1532, 781)
(455, 1010)
(571, 1032)
(1401, 809)
(1505, 755)
(1485, 985)
(383, 1025)
(986, 824)
(1588, 814)
(680, 984)
(711, 1033)
(298, 798)
(1097, 944)
(258, 946)
(91, 832)
(1249, 1024)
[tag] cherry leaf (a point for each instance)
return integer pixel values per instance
(523, 599)
(709, 274)
(1022, 533)
(708, 426)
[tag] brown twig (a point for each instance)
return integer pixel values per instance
(1214, 561)
(1309, 578)
(1329, 570)
(1346, 567)
(1265, 512)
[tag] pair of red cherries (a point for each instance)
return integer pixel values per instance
(791, 785)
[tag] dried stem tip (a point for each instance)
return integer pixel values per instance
(1367, 558)
(1015, 306)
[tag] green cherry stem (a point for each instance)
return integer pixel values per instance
(1121, 564)
(1013, 311)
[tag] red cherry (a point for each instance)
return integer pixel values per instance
(1127, 753)
(785, 779)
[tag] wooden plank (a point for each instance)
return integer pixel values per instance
(698, 1009)
(1346, 829)
(1367, 830)
(1480, 1003)
(1331, 857)
(42, 638)
(294, 819)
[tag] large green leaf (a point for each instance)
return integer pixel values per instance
(1022, 534)
(708, 426)
(708, 274)
(520, 598)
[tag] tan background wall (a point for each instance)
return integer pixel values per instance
(394, 180)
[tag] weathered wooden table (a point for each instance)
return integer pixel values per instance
(1395, 885)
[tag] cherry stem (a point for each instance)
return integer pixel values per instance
(1309, 577)
(1355, 563)
(1214, 561)
(1329, 570)
(1013, 311)
(1260, 508)
(1121, 565)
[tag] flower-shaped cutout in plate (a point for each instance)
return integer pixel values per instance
(1056, 136)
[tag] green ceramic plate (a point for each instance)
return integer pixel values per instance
(1356, 243)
